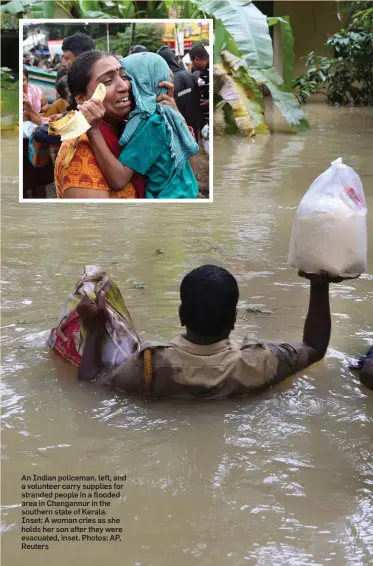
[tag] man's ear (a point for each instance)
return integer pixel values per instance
(234, 319)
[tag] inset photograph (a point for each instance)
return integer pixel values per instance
(116, 110)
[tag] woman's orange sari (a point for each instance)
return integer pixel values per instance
(83, 171)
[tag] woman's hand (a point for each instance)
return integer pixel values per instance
(30, 114)
(93, 315)
(324, 277)
(169, 97)
(169, 86)
(93, 110)
(27, 106)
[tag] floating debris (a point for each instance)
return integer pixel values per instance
(140, 286)
(159, 251)
(258, 309)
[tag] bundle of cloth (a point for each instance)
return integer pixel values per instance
(68, 338)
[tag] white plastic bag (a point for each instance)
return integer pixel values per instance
(330, 227)
(206, 138)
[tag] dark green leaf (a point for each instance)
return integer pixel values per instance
(248, 27)
(220, 34)
(89, 6)
(13, 7)
(49, 9)
(287, 52)
(275, 20)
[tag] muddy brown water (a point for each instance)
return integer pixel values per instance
(284, 478)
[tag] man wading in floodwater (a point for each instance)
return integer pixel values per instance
(203, 362)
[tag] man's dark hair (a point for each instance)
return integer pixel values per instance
(169, 56)
(78, 43)
(137, 49)
(199, 51)
(209, 297)
(62, 88)
(79, 74)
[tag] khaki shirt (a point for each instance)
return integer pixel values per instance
(183, 369)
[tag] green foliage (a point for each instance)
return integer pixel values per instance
(149, 35)
(8, 21)
(347, 77)
(104, 9)
(243, 43)
(9, 92)
(249, 28)
(288, 54)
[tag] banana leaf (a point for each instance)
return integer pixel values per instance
(14, 7)
(275, 20)
(40, 10)
(248, 27)
(97, 15)
(89, 6)
(219, 41)
(126, 9)
(285, 101)
(248, 113)
(288, 54)
(255, 98)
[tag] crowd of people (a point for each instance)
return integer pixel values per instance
(143, 137)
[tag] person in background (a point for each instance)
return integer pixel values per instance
(200, 61)
(187, 94)
(75, 45)
(61, 72)
(33, 97)
(203, 362)
(62, 102)
(34, 179)
(137, 49)
(56, 62)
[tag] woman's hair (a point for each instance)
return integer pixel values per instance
(80, 72)
(25, 72)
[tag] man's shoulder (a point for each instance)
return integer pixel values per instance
(154, 345)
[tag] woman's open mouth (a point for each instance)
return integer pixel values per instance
(123, 102)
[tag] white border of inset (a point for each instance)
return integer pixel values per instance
(112, 201)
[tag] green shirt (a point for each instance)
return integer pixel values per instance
(148, 153)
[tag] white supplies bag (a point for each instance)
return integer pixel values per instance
(330, 226)
(206, 138)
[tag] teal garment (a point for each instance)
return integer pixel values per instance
(147, 152)
(145, 71)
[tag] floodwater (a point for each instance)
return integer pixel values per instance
(284, 478)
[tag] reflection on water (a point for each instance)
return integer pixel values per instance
(282, 478)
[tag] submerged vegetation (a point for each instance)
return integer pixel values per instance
(346, 77)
